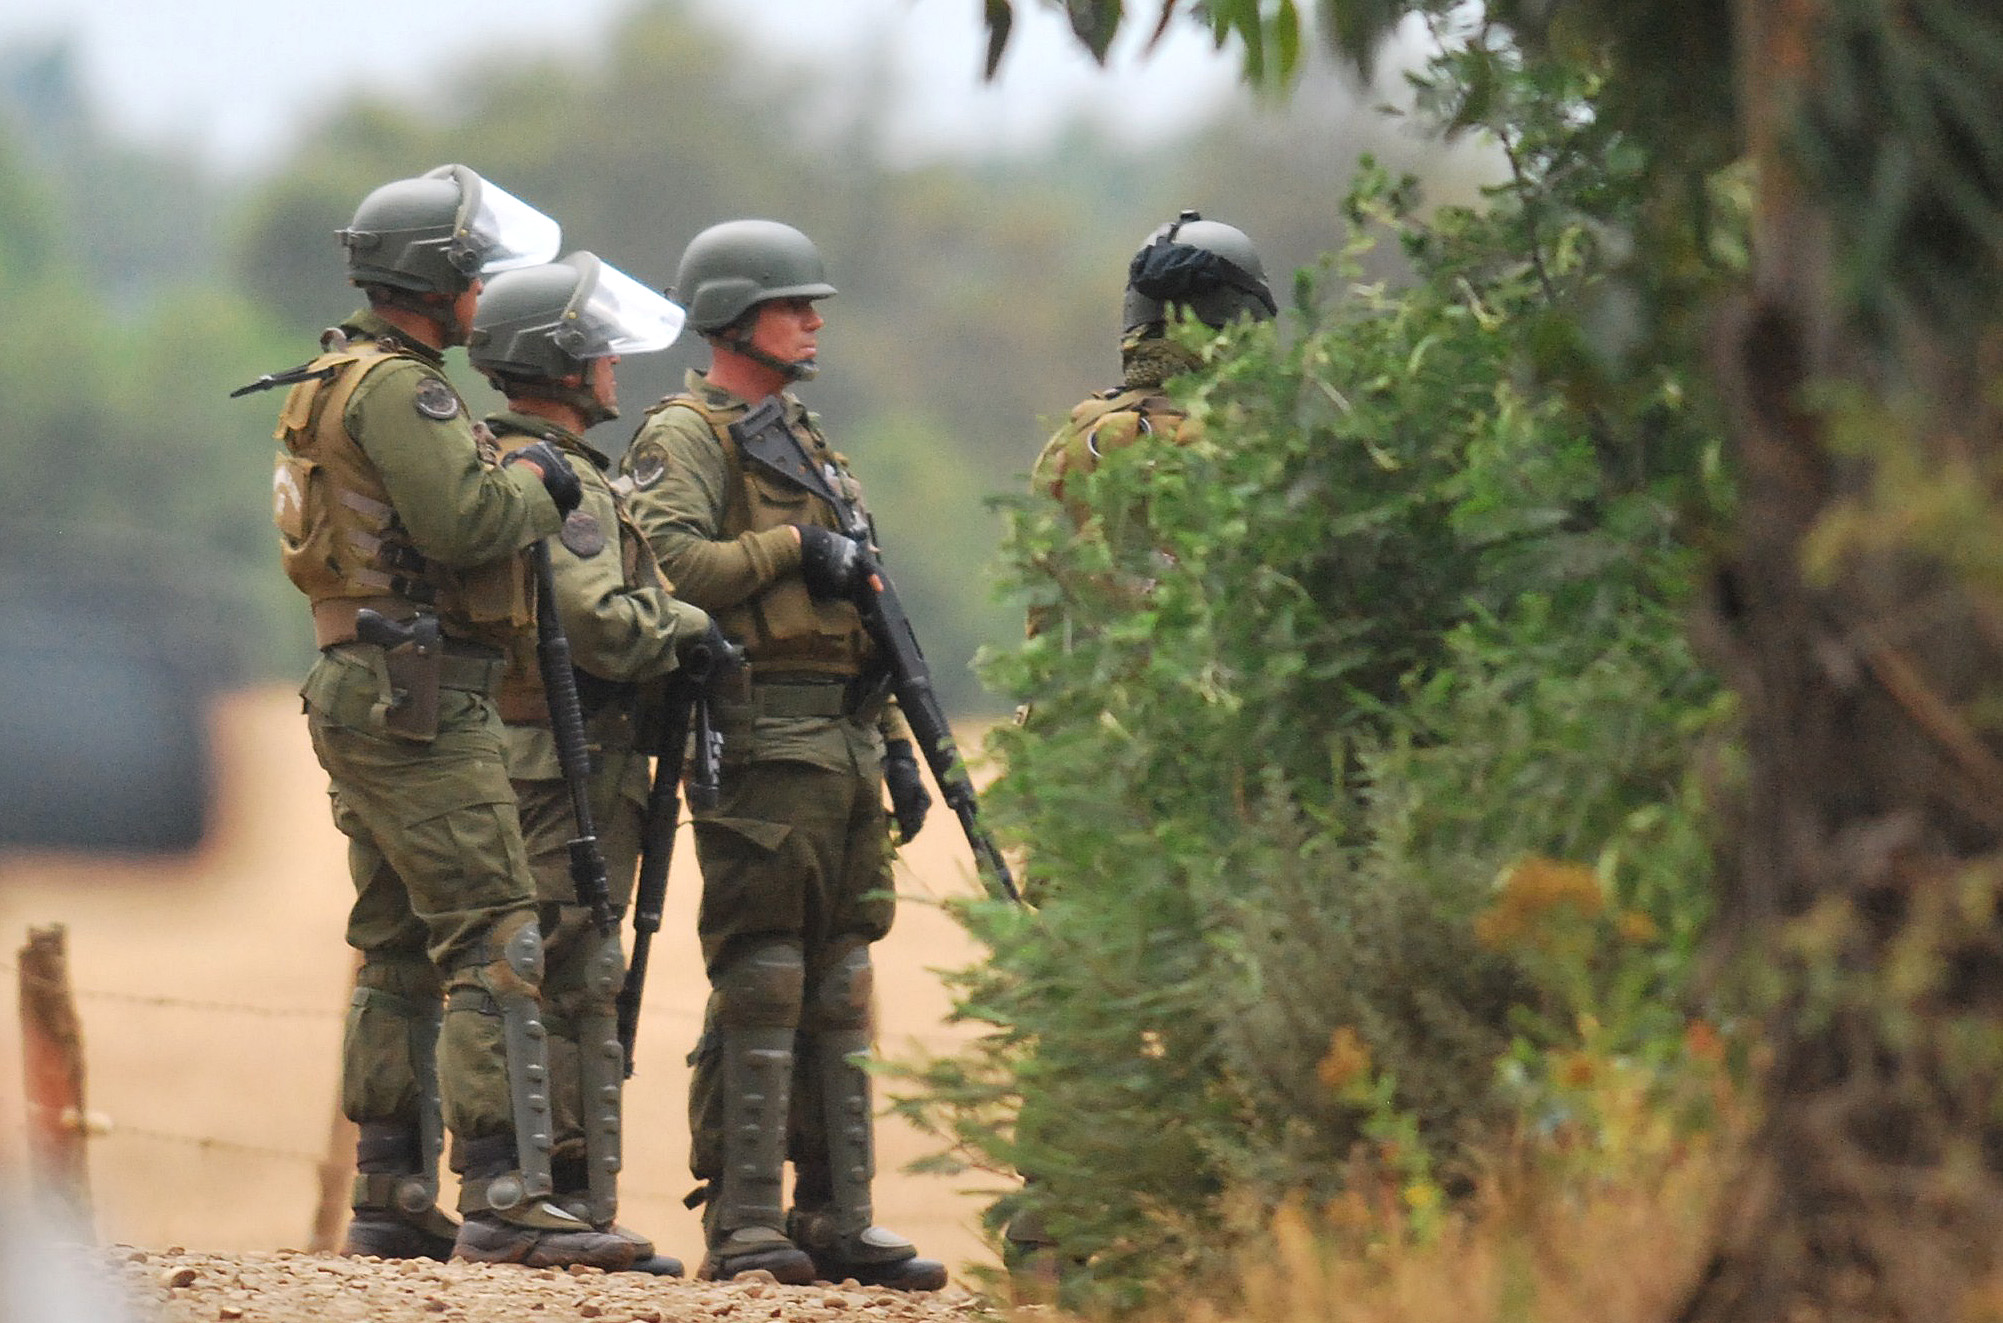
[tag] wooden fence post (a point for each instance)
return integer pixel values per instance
(53, 1073)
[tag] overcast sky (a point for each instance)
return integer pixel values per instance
(234, 78)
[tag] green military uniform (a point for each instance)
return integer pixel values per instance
(384, 500)
(796, 857)
(623, 627)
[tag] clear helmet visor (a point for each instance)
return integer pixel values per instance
(612, 313)
(497, 231)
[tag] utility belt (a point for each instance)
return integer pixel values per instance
(473, 667)
(859, 698)
(410, 675)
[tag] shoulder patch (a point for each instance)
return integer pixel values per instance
(647, 467)
(436, 400)
(582, 534)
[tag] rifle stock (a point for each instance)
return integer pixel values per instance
(657, 848)
(684, 708)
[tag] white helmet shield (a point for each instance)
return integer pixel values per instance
(497, 231)
(612, 313)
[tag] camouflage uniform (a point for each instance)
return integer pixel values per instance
(623, 627)
(796, 857)
(1209, 272)
(1112, 420)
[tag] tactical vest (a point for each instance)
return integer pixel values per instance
(783, 629)
(1109, 421)
(340, 539)
(520, 696)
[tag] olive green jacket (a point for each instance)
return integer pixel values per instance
(459, 511)
(618, 616)
(691, 504)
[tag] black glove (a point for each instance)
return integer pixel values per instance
(830, 562)
(710, 655)
(909, 799)
(558, 478)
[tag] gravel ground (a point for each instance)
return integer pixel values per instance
(180, 1286)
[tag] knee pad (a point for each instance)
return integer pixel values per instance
(844, 993)
(763, 988)
(520, 939)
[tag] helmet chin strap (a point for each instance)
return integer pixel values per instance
(734, 338)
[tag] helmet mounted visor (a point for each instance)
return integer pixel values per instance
(495, 230)
(612, 313)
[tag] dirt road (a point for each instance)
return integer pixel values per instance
(212, 989)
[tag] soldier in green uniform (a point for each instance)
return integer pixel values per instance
(796, 857)
(1190, 267)
(406, 539)
(548, 337)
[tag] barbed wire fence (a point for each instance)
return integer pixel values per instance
(60, 1124)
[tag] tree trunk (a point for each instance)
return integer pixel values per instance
(1863, 875)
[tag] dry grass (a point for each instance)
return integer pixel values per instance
(1530, 1245)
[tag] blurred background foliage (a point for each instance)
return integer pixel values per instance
(979, 299)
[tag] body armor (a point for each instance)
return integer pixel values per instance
(783, 628)
(520, 695)
(341, 541)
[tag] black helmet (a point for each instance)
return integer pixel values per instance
(438, 232)
(546, 322)
(1206, 267)
(729, 269)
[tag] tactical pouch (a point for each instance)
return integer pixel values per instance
(409, 703)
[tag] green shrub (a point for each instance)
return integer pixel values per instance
(1357, 786)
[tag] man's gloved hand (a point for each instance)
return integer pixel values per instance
(830, 562)
(909, 799)
(709, 655)
(558, 478)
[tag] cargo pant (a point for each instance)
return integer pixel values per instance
(618, 794)
(794, 853)
(442, 884)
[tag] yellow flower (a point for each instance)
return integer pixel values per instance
(1346, 1062)
(1637, 927)
(1576, 1070)
(1533, 888)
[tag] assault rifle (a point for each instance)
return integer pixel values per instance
(763, 437)
(684, 707)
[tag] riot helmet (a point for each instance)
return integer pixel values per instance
(439, 232)
(731, 268)
(537, 325)
(1206, 267)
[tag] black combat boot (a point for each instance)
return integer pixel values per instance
(504, 1223)
(833, 1218)
(571, 1196)
(871, 1256)
(744, 1211)
(396, 1214)
(1034, 1263)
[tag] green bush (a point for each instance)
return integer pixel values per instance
(1357, 783)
